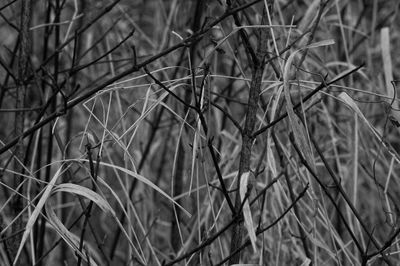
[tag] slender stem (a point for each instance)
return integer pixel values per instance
(247, 133)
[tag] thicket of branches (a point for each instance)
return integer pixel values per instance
(199, 132)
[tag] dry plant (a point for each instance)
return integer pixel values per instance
(181, 132)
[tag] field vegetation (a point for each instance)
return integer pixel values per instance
(219, 132)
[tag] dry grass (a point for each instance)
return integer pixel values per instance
(134, 131)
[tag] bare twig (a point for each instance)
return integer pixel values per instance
(247, 133)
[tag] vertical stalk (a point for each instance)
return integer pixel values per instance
(42, 225)
(247, 134)
(178, 175)
(57, 14)
(177, 190)
(23, 69)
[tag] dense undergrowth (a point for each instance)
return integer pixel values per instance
(199, 132)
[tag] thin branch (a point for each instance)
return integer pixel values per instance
(211, 239)
(305, 99)
(324, 188)
(262, 230)
(129, 71)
